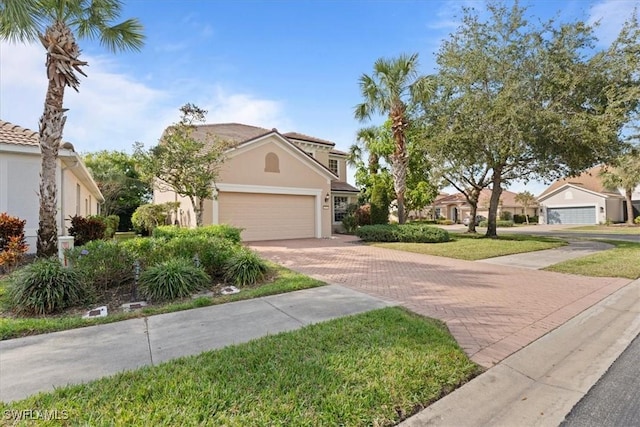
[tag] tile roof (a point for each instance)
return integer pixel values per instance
(231, 132)
(507, 197)
(14, 134)
(589, 180)
(343, 186)
(303, 137)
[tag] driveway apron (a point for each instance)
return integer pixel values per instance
(491, 310)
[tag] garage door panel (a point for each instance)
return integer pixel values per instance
(572, 215)
(268, 216)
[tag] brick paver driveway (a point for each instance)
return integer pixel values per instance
(491, 310)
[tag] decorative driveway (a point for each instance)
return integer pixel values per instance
(491, 310)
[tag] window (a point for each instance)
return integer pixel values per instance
(77, 199)
(271, 163)
(333, 166)
(339, 208)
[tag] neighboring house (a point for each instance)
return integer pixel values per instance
(20, 162)
(455, 206)
(273, 185)
(583, 200)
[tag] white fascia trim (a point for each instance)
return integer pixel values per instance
(16, 148)
(243, 188)
(575, 205)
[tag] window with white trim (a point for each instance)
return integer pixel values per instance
(333, 166)
(339, 208)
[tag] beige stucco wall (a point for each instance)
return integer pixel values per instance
(186, 215)
(245, 170)
(613, 211)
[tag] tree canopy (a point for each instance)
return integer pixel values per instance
(184, 162)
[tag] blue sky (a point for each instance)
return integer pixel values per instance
(287, 64)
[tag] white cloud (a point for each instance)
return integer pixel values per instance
(611, 14)
(113, 110)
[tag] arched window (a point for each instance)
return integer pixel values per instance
(271, 163)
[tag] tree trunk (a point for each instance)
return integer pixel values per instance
(399, 158)
(198, 208)
(62, 63)
(51, 127)
(494, 201)
(472, 199)
(628, 194)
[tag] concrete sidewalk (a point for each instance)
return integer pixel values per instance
(43, 362)
(538, 385)
(541, 259)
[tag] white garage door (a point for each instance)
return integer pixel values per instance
(572, 215)
(268, 216)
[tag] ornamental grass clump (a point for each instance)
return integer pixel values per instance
(175, 278)
(244, 268)
(44, 287)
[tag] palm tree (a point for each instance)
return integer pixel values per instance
(624, 174)
(56, 23)
(526, 199)
(393, 89)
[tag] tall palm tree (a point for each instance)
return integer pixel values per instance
(56, 23)
(394, 89)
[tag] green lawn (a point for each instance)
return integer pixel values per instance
(475, 246)
(374, 368)
(14, 327)
(606, 229)
(622, 261)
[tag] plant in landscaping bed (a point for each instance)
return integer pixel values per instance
(637, 220)
(218, 230)
(44, 287)
(85, 230)
(12, 254)
(499, 223)
(213, 252)
(245, 267)
(414, 233)
(175, 278)
(104, 264)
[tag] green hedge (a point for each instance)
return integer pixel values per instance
(222, 230)
(499, 223)
(409, 233)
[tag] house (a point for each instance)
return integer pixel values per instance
(583, 200)
(20, 162)
(273, 185)
(455, 206)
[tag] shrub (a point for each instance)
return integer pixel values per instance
(111, 223)
(245, 267)
(10, 226)
(379, 203)
(637, 220)
(499, 223)
(506, 216)
(104, 264)
(219, 230)
(416, 233)
(148, 217)
(441, 221)
(44, 287)
(147, 250)
(85, 230)
(213, 252)
(13, 253)
(363, 215)
(175, 278)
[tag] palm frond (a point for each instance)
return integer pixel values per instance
(20, 20)
(127, 35)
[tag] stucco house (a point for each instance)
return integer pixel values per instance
(273, 185)
(583, 200)
(455, 206)
(78, 194)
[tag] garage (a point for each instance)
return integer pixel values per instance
(268, 216)
(572, 215)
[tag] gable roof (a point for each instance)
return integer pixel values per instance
(307, 138)
(587, 180)
(508, 198)
(17, 135)
(235, 133)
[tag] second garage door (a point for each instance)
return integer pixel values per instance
(572, 215)
(268, 216)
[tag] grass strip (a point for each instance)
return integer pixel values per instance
(473, 247)
(375, 368)
(286, 281)
(621, 261)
